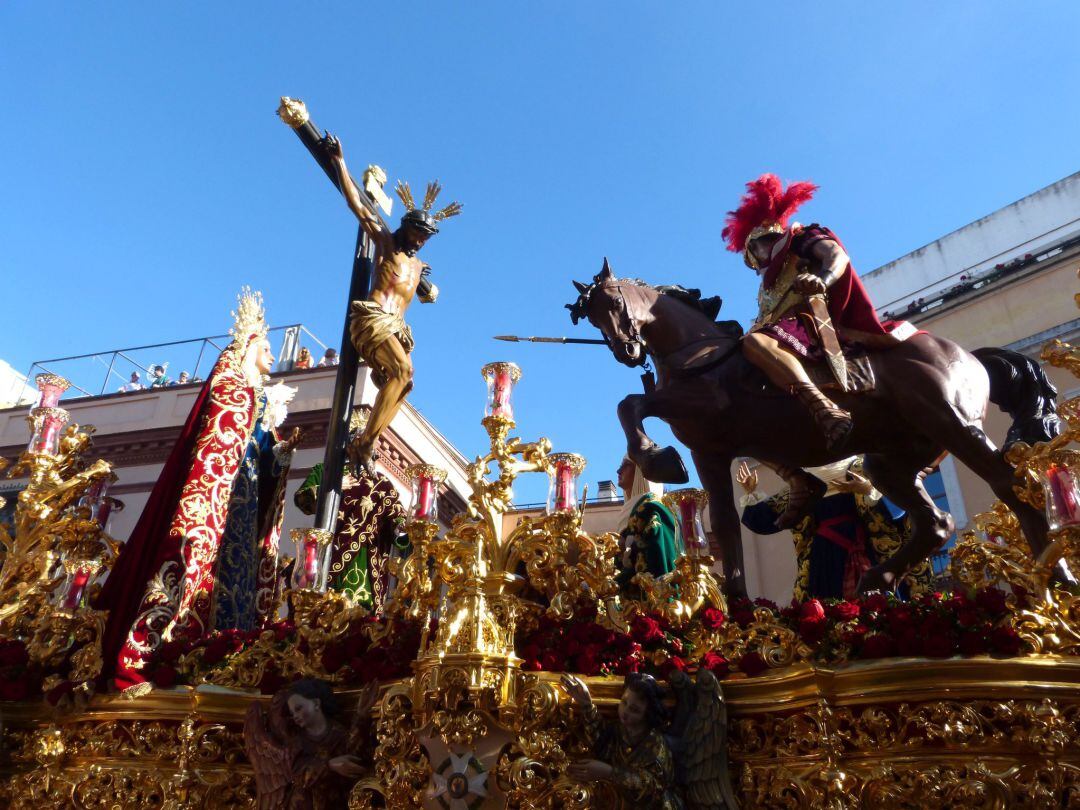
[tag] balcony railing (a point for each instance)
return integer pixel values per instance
(106, 372)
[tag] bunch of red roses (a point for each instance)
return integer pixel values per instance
(356, 660)
(584, 646)
(351, 656)
(937, 625)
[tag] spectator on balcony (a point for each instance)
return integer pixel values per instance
(303, 359)
(133, 384)
(183, 379)
(329, 359)
(157, 377)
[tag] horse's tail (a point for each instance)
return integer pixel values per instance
(1020, 388)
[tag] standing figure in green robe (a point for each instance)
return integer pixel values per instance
(369, 523)
(646, 528)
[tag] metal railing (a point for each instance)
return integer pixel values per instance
(100, 373)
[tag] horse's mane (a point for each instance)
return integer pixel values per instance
(709, 307)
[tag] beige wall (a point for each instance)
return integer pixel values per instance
(1013, 312)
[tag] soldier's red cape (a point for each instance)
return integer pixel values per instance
(850, 306)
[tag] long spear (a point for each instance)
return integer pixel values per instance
(519, 339)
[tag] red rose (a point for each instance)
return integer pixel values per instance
(812, 610)
(1005, 641)
(957, 602)
(968, 617)
(973, 643)
(767, 603)
(855, 634)
(899, 618)
(813, 630)
(578, 631)
(934, 625)
(716, 664)
(646, 630)
(876, 603)
(907, 642)
(587, 662)
(165, 676)
(552, 661)
(217, 649)
(877, 645)
(712, 618)
(170, 651)
(671, 664)
(843, 611)
(992, 600)
(743, 617)
(939, 645)
(752, 664)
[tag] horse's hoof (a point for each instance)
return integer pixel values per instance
(664, 466)
(876, 579)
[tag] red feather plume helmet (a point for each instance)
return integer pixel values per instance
(766, 207)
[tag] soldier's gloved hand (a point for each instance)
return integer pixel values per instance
(808, 284)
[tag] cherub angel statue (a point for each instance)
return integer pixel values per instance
(303, 756)
(651, 762)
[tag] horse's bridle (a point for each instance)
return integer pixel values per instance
(628, 323)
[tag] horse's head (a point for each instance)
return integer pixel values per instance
(613, 306)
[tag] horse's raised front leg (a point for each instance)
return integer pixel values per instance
(715, 474)
(663, 465)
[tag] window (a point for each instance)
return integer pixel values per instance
(935, 488)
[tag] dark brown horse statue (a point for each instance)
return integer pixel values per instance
(929, 397)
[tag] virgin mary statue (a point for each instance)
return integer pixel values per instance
(204, 554)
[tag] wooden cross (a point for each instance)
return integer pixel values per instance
(294, 113)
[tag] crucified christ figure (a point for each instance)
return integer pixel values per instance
(377, 325)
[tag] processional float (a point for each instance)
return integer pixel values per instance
(835, 705)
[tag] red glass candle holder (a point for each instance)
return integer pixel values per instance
(99, 504)
(1062, 496)
(48, 424)
(563, 470)
(79, 574)
(312, 558)
(425, 480)
(501, 379)
(50, 387)
(689, 508)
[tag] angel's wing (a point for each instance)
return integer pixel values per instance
(268, 753)
(706, 778)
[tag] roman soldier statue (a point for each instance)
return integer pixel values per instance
(811, 304)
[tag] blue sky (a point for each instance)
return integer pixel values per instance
(145, 177)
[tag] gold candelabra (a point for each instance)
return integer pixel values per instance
(57, 547)
(481, 579)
